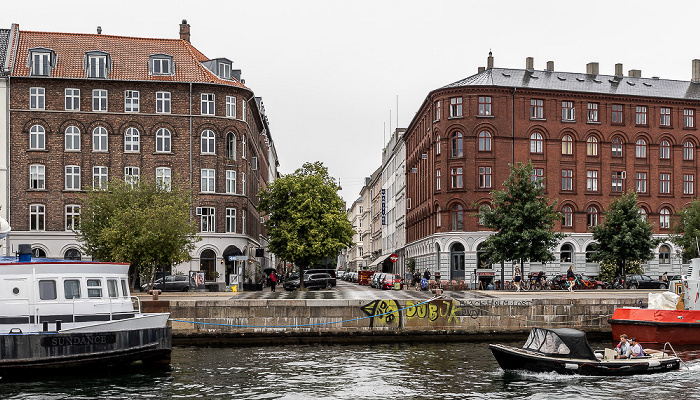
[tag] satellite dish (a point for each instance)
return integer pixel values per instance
(4, 228)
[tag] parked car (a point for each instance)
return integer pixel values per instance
(319, 281)
(390, 281)
(376, 279)
(173, 283)
(291, 283)
(644, 282)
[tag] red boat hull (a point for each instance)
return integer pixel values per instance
(678, 327)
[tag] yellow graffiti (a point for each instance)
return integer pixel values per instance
(382, 311)
(439, 309)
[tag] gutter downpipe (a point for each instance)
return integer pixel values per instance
(512, 127)
(6, 250)
(191, 172)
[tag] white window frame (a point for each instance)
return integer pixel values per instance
(132, 140)
(455, 107)
(665, 149)
(207, 104)
(484, 104)
(208, 142)
(231, 220)
(641, 179)
(100, 175)
(243, 110)
(592, 181)
(665, 183)
(688, 118)
(37, 217)
(97, 66)
(243, 185)
(72, 220)
(162, 66)
(568, 112)
(163, 102)
(100, 139)
(41, 63)
(163, 140)
(132, 175)
(37, 177)
(225, 70)
(208, 180)
(72, 138)
(132, 101)
(164, 176)
(688, 184)
(72, 99)
(665, 116)
(37, 98)
(438, 180)
(664, 218)
(592, 109)
(37, 137)
(72, 177)
(208, 219)
(641, 115)
(244, 216)
(230, 182)
(99, 100)
(231, 106)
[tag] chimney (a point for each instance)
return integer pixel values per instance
(481, 69)
(489, 61)
(529, 63)
(635, 73)
(592, 68)
(696, 71)
(618, 70)
(550, 65)
(185, 31)
(99, 30)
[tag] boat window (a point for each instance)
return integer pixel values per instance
(71, 289)
(112, 288)
(94, 288)
(47, 290)
(125, 288)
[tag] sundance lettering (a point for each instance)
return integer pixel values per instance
(82, 340)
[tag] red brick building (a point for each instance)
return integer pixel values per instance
(591, 138)
(89, 108)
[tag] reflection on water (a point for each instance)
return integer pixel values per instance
(410, 371)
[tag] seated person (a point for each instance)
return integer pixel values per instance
(636, 349)
(623, 348)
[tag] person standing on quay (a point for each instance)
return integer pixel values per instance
(517, 277)
(571, 278)
(273, 281)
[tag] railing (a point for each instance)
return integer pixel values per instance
(137, 303)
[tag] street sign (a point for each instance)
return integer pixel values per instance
(394, 258)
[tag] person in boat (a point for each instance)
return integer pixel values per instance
(623, 348)
(636, 349)
(571, 277)
(517, 277)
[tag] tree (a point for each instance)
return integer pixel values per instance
(686, 230)
(306, 217)
(147, 225)
(523, 219)
(624, 236)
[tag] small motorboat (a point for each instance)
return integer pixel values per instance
(566, 351)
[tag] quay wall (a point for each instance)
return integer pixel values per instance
(241, 321)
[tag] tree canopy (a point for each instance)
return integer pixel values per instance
(523, 219)
(306, 217)
(686, 230)
(146, 225)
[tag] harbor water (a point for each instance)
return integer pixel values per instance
(379, 371)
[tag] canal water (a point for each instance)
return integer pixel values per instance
(379, 371)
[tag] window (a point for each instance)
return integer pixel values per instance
(567, 145)
(243, 111)
(231, 106)
(688, 184)
(457, 218)
(641, 148)
(72, 138)
(208, 180)
(536, 143)
(643, 213)
(37, 98)
(164, 177)
(73, 177)
(225, 70)
(617, 181)
(207, 104)
(163, 102)
(438, 216)
(207, 142)
(243, 146)
(99, 177)
(457, 178)
(567, 179)
(641, 182)
(99, 100)
(230, 182)
(42, 62)
(132, 176)
(592, 146)
(592, 181)
(208, 219)
(72, 99)
(98, 65)
(113, 288)
(37, 217)
(455, 107)
(132, 140)
(47, 289)
(484, 141)
(593, 112)
(567, 111)
(484, 208)
(665, 218)
(592, 219)
(243, 186)
(37, 177)
(617, 114)
(537, 177)
(163, 141)
(243, 221)
(437, 110)
(125, 289)
(94, 288)
(641, 115)
(438, 145)
(665, 116)
(664, 149)
(484, 105)
(617, 147)
(484, 177)
(567, 216)
(72, 217)
(162, 64)
(37, 137)
(99, 139)
(230, 220)
(457, 144)
(71, 288)
(664, 254)
(688, 151)
(438, 180)
(131, 101)
(688, 118)
(536, 109)
(665, 183)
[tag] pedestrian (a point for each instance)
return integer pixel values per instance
(571, 277)
(426, 274)
(517, 277)
(273, 281)
(664, 277)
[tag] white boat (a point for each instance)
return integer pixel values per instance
(58, 314)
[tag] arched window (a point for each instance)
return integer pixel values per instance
(485, 208)
(72, 254)
(688, 151)
(567, 145)
(536, 143)
(484, 141)
(438, 150)
(99, 139)
(617, 147)
(457, 144)
(566, 254)
(72, 138)
(567, 216)
(590, 250)
(38, 252)
(664, 254)
(641, 148)
(37, 137)
(457, 218)
(132, 140)
(231, 145)
(207, 142)
(665, 149)
(163, 140)
(643, 213)
(665, 218)
(592, 146)
(438, 216)
(592, 216)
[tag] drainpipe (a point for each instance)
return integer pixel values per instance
(512, 127)
(6, 250)
(191, 173)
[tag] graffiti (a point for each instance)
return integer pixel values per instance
(436, 311)
(494, 303)
(382, 312)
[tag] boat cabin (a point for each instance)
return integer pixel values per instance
(561, 343)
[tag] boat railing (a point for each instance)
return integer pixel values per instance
(136, 302)
(674, 353)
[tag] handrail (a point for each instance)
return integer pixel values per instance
(138, 303)
(675, 354)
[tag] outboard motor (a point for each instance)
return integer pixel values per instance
(691, 290)
(24, 252)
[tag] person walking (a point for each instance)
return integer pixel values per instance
(273, 281)
(517, 277)
(571, 277)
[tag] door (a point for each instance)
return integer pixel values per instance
(457, 262)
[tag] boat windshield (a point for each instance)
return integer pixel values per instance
(547, 342)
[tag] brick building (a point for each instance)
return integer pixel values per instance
(89, 108)
(591, 137)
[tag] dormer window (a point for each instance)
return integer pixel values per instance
(161, 64)
(225, 70)
(97, 64)
(41, 61)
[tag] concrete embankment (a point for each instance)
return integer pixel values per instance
(274, 321)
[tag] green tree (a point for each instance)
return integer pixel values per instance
(686, 230)
(625, 236)
(306, 217)
(147, 225)
(523, 219)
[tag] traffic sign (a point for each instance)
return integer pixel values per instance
(394, 258)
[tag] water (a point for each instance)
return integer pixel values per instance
(386, 371)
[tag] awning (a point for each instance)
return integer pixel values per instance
(379, 260)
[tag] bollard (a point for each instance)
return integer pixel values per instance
(155, 293)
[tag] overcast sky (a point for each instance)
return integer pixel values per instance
(329, 72)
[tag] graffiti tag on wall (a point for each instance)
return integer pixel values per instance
(436, 312)
(383, 312)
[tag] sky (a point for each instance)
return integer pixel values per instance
(336, 77)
